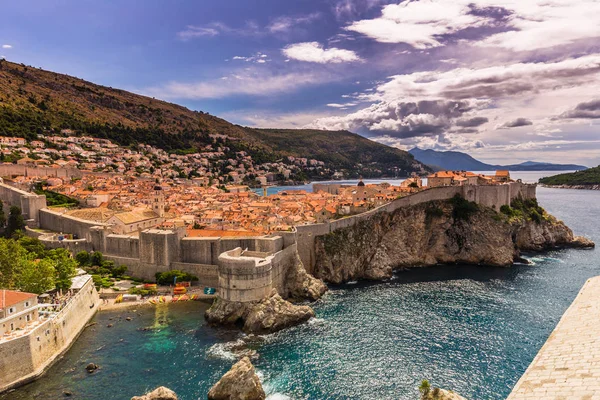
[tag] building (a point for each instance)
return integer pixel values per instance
(502, 176)
(17, 310)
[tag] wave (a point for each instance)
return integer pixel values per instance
(223, 350)
(278, 396)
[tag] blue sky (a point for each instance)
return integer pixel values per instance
(505, 80)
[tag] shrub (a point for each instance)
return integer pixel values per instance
(434, 212)
(119, 271)
(83, 258)
(462, 208)
(425, 387)
(142, 291)
(167, 278)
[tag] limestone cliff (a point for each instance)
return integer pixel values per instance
(300, 285)
(269, 315)
(440, 232)
(239, 383)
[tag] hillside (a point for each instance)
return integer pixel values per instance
(455, 160)
(588, 177)
(35, 101)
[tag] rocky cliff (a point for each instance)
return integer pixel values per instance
(439, 232)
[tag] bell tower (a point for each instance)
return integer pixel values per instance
(158, 201)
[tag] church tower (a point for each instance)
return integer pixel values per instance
(158, 201)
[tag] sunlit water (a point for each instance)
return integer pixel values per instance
(471, 329)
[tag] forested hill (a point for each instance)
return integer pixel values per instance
(587, 177)
(34, 101)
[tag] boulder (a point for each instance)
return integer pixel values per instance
(239, 383)
(91, 367)
(269, 315)
(441, 394)
(274, 314)
(160, 393)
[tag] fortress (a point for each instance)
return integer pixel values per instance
(241, 268)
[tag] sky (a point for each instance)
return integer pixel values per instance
(505, 81)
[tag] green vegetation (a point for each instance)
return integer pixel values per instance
(168, 277)
(588, 177)
(425, 387)
(56, 199)
(524, 209)
(104, 272)
(15, 223)
(34, 101)
(26, 265)
(462, 209)
(142, 291)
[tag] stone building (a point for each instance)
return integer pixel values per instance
(17, 310)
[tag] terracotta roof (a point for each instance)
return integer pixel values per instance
(11, 297)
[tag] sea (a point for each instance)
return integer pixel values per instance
(467, 328)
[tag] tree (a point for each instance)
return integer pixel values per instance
(37, 277)
(83, 258)
(33, 245)
(96, 258)
(13, 259)
(2, 215)
(65, 267)
(15, 222)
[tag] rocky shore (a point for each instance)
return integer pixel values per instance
(240, 383)
(582, 187)
(439, 232)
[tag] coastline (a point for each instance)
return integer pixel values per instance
(577, 187)
(112, 306)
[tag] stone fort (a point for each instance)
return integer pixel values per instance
(240, 268)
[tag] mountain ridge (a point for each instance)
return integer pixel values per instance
(456, 160)
(35, 101)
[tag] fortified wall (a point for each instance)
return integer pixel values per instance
(29, 203)
(27, 357)
(211, 258)
(493, 196)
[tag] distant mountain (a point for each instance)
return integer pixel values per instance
(455, 160)
(35, 101)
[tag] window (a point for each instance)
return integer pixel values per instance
(11, 310)
(28, 317)
(26, 304)
(12, 327)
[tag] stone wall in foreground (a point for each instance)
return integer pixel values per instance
(24, 359)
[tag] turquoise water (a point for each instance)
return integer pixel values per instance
(471, 329)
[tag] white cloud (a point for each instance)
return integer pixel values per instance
(314, 52)
(418, 23)
(241, 83)
(431, 105)
(286, 23)
(192, 31)
(524, 24)
(6, 46)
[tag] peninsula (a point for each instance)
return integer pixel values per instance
(586, 179)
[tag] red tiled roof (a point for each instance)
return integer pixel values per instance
(11, 297)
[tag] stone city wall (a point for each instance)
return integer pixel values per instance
(29, 203)
(58, 222)
(493, 196)
(26, 358)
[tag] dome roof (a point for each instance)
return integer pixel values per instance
(361, 183)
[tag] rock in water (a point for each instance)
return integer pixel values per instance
(239, 383)
(160, 393)
(441, 394)
(269, 315)
(274, 314)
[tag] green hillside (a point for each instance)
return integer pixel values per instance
(590, 176)
(35, 101)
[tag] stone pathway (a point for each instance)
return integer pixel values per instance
(568, 365)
